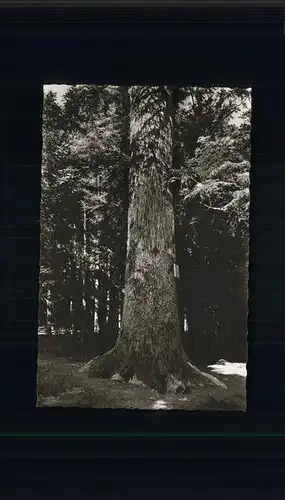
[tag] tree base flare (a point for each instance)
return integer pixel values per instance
(157, 376)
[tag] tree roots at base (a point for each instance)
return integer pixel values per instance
(164, 381)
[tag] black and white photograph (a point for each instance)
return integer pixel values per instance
(143, 287)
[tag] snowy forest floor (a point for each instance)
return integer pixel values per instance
(60, 384)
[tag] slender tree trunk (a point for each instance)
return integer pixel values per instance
(243, 297)
(102, 313)
(77, 301)
(149, 346)
(89, 335)
(48, 313)
(89, 313)
(78, 314)
(102, 306)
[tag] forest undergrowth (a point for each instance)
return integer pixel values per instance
(60, 384)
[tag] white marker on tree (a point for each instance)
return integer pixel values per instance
(176, 271)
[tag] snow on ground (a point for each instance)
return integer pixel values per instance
(159, 405)
(227, 368)
(221, 367)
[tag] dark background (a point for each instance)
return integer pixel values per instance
(33, 53)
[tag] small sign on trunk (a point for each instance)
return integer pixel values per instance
(176, 271)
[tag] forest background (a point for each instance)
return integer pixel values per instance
(84, 209)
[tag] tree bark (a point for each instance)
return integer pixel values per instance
(88, 326)
(113, 319)
(102, 306)
(149, 346)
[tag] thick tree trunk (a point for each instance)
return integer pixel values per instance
(113, 319)
(149, 346)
